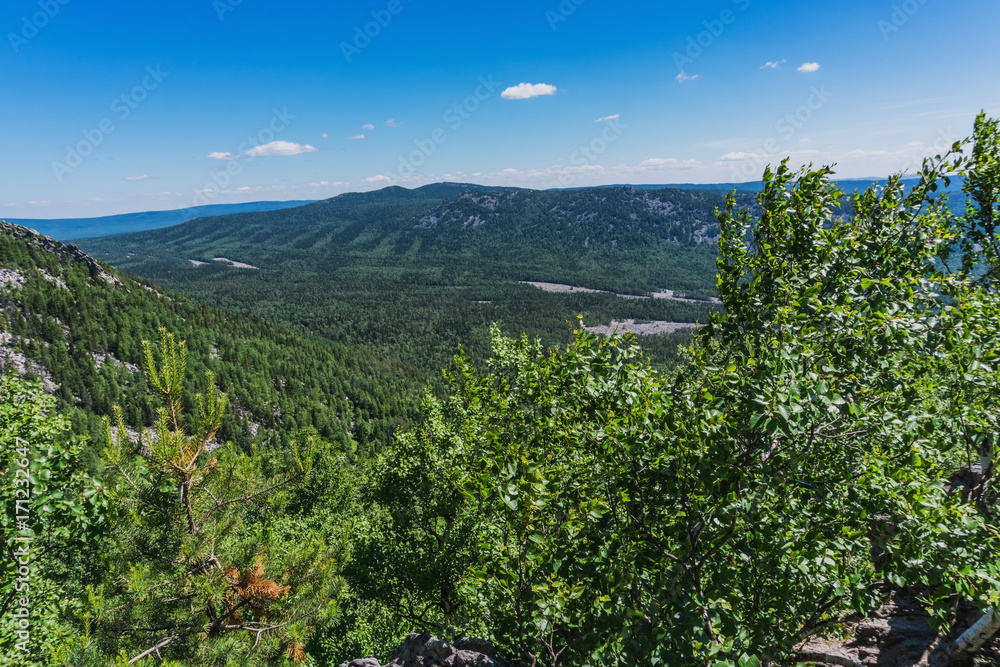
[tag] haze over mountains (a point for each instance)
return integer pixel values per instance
(79, 228)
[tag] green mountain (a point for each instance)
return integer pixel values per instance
(78, 324)
(413, 274)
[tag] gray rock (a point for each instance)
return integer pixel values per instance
(426, 650)
(364, 662)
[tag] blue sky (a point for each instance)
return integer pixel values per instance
(119, 107)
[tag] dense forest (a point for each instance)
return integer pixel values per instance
(822, 448)
(79, 325)
(411, 274)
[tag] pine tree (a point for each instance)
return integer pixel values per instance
(201, 567)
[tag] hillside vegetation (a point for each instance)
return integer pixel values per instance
(825, 447)
(79, 325)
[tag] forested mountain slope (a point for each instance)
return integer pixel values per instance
(79, 325)
(415, 273)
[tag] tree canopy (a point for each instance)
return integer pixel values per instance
(830, 441)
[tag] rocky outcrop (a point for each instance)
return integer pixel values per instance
(50, 245)
(899, 635)
(428, 651)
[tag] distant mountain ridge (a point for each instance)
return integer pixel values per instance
(66, 229)
(530, 232)
(413, 274)
(848, 185)
(69, 229)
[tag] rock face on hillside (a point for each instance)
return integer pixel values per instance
(50, 245)
(588, 218)
(428, 651)
(899, 635)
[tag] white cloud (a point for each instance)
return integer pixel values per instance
(809, 67)
(272, 149)
(611, 117)
(144, 177)
(368, 126)
(669, 163)
(377, 179)
(392, 122)
(280, 148)
(34, 202)
(683, 77)
(359, 136)
(738, 156)
(525, 91)
(325, 135)
(773, 64)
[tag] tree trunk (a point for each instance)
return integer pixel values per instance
(973, 639)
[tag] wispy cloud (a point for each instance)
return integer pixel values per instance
(380, 178)
(684, 77)
(611, 117)
(525, 91)
(272, 149)
(773, 64)
(144, 177)
(357, 136)
(809, 67)
(669, 163)
(392, 122)
(325, 135)
(368, 126)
